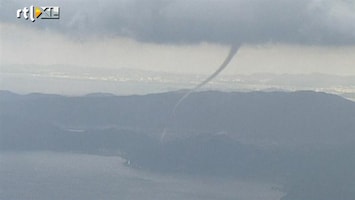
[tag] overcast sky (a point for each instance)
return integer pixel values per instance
(188, 36)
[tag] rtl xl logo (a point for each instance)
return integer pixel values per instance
(43, 12)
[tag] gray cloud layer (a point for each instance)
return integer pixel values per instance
(320, 22)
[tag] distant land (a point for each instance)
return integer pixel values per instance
(76, 80)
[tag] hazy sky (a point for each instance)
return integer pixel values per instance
(189, 36)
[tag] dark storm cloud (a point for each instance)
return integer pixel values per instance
(325, 22)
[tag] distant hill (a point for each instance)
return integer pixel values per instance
(255, 117)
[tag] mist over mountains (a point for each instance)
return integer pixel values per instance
(126, 81)
(302, 140)
(280, 117)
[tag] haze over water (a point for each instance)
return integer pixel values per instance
(50, 175)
